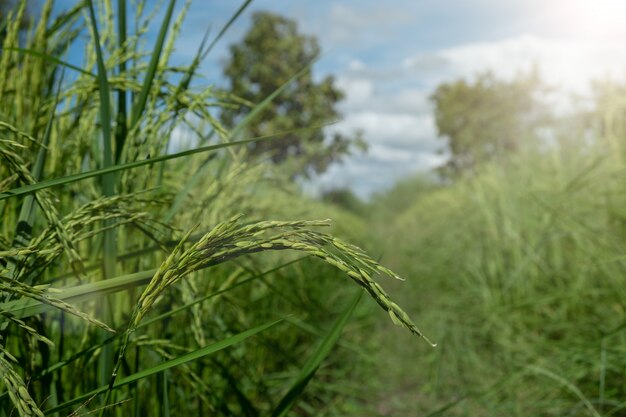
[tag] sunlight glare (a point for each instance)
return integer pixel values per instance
(592, 20)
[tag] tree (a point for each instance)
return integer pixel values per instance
(272, 52)
(344, 198)
(487, 118)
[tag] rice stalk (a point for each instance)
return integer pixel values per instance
(20, 397)
(29, 330)
(11, 286)
(18, 166)
(91, 185)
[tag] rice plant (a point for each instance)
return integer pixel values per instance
(127, 270)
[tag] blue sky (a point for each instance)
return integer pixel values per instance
(389, 56)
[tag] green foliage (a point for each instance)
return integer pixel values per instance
(487, 118)
(608, 117)
(271, 51)
(314, 362)
(345, 199)
(391, 203)
(521, 283)
(124, 267)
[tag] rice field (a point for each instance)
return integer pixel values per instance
(137, 280)
(145, 275)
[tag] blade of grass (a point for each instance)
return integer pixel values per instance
(145, 323)
(310, 367)
(320, 333)
(226, 26)
(245, 403)
(105, 103)
(202, 52)
(27, 189)
(105, 360)
(51, 59)
(65, 18)
(120, 134)
(165, 407)
(197, 354)
(565, 383)
(108, 180)
(26, 308)
(236, 130)
(149, 321)
(142, 99)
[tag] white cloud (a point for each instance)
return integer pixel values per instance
(357, 90)
(356, 65)
(409, 100)
(376, 171)
(361, 95)
(565, 64)
(394, 130)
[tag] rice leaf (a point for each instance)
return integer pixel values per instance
(121, 125)
(233, 18)
(130, 165)
(53, 59)
(140, 104)
(313, 363)
(192, 356)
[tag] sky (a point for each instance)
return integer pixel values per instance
(389, 56)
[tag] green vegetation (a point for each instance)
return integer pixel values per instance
(518, 274)
(488, 118)
(128, 276)
(142, 271)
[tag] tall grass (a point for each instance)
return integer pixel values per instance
(521, 281)
(127, 275)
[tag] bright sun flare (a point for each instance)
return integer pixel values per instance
(592, 20)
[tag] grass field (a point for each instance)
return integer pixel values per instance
(141, 275)
(517, 274)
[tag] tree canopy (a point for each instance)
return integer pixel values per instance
(487, 118)
(272, 52)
